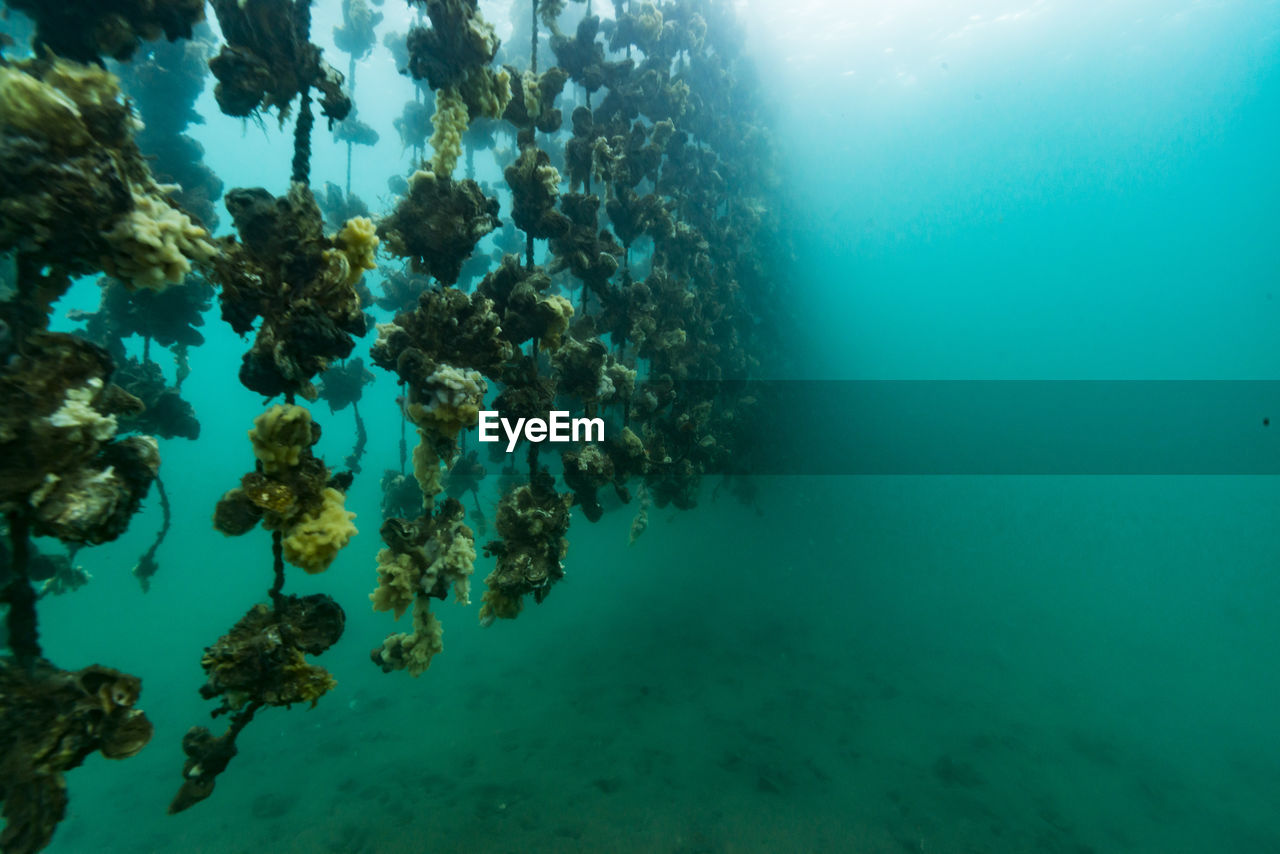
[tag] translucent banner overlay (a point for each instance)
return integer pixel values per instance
(1010, 428)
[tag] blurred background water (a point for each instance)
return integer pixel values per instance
(979, 190)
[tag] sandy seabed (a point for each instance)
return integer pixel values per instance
(704, 691)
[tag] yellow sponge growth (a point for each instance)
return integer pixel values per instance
(280, 435)
(88, 85)
(397, 583)
(315, 540)
(307, 682)
(449, 123)
(413, 652)
(557, 312)
(426, 468)
(51, 108)
(36, 108)
(154, 244)
(650, 21)
(532, 97)
(451, 399)
(358, 242)
(151, 245)
(482, 90)
(498, 605)
(487, 91)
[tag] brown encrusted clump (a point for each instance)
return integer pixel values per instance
(76, 195)
(583, 57)
(579, 151)
(632, 152)
(61, 466)
(422, 560)
(356, 34)
(207, 757)
(262, 659)
(438, 224)
(87, 30)
(517, 294)
(236, 513)
(585, 471)
(526, 393)
(641, 27)
(534, 182)
(290, 490)
(448, 326)
(633, 215)
(695, 436)
(92, 161)
(425, 541)
(532, 522)
(580, 367)
(628, 314)
(585, 249)
(587, 370)
(50, 721)
(458, 42)
(260, 662)
(95, 503)
(267, 60)
(541, 113)
(286, 271)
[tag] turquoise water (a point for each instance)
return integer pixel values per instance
(855, 664)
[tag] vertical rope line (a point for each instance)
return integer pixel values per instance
(533, 47)
(351, 87)
(302, 131)
(24, 636)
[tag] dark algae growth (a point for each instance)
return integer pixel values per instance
(637, 130)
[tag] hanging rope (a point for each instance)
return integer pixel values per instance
(404, 419)
(302, 140)
(277, 559)
(362, 438)
(533, 47)
(302, 131)
(533, 69)
(24, 637)
(351, 78)
(147, 565)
